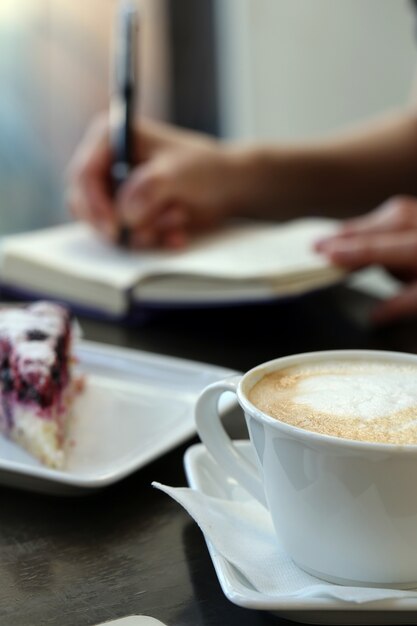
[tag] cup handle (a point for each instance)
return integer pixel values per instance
(218, 442)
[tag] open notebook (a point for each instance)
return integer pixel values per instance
(240, 262)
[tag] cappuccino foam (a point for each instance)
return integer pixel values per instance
(361, 400)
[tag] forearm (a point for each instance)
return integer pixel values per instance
(338, 177)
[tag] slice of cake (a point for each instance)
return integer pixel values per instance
(37, 387)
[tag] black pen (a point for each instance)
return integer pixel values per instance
(123, 99)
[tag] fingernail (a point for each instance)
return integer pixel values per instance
(326, 246)
(339, 252)
(321, 243)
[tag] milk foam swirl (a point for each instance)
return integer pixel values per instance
(368, 401)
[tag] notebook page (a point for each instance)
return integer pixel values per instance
(240, 252)
(259, 251)
(73, 249)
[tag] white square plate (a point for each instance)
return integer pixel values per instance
(205, 475)
(136, 406)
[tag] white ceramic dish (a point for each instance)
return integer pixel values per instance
(136, 407)
(134, 620)
(205, 475)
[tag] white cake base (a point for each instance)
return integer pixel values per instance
(41, 436)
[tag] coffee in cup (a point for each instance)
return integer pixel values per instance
(364, 400)
(333, 438)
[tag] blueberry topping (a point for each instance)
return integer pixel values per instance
(27, 393)
(22, 391)
(33, 394)
(6, 378)
(55, 373)
(60, 348)
(36, 335)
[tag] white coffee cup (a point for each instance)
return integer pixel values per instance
(345, 511)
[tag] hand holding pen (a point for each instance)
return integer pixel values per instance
(153, 186)
(181, 183)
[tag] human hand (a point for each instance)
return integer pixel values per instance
(386, 236)
(183, 182)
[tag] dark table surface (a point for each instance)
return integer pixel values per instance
(129, 549)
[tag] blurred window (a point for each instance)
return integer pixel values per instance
(54, 76)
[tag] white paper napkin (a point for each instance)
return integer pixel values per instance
(242, 532)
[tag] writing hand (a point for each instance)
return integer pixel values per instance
(183, 182)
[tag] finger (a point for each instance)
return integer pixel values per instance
(175, 239)
(76, 206)
(397, 213)
(100, 206)
(89, 172)
(153, 136)
(378, 221)
(402, 305)
(173, 226)
(168, 230)
(78, 210)
(95, 146)
(396, 251)
(89, 202)
(173, 217)
(143, 197)
(143, 238)
(93, 152)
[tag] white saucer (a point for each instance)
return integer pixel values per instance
(206, 476)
